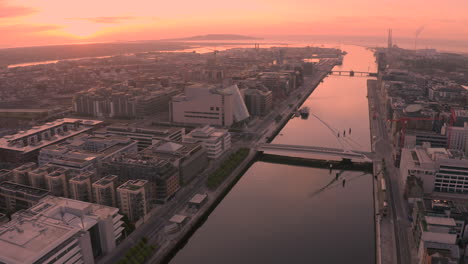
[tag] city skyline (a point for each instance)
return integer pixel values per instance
(31, 23)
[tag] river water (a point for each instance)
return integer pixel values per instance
(276, 214)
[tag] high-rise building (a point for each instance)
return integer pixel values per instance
(205, 104)
(104, 190)
(25, 145)
(60, 230)
(215, 141)
(5, 175)
(37, 176)
(133, 199)
(80, 187)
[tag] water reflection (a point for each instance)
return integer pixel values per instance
(287, 214)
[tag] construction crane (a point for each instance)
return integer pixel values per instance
(404, 121)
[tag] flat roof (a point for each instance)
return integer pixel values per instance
(440, 221)
(24, 188)
(198, 198)
(12, 110)
(439, 237)
(178, 219)
(4, 141)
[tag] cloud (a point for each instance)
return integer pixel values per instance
(27, 28)
(7, 11)
(106, 20)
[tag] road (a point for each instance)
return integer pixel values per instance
(153, 227)
(383, 149)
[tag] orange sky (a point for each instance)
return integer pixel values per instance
(39, 22)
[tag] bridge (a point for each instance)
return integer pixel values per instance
(345, 154)
(353, 73)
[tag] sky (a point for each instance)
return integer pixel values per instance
(42, 22)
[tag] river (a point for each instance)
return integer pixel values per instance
(275, 214)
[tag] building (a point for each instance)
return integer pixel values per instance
(60, 230)
(189, 157)
(215, 141)
(21, 173)
(225, 106)
(133, 199)
(161, 174)
(143, 135)
(25, 145)
(14, 196)
(438, 248)
(258, 102)
(441, 170)
(122, 102)
(104, 190)
(57, 182)
(80, 187)
(458, 137)
(85, 152)
(5, 175)
(37, 176)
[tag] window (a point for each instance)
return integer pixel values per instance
(211, 108)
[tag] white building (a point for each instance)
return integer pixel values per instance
(204, 104)
(216, 141)
(441, 170)
(458, 137)
(60, 230)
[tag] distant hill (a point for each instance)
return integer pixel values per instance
(216, 37)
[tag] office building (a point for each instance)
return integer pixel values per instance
(145, 136)
(161, 174)
(25, 145)
(60, 230)
(14, 196)
(133, 199)
(122, 102)
(189, 157)
(440, 169)
(258, 102)
(215, 141)
(104, 190)
(205, 104)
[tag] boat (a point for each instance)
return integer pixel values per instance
(304, 111)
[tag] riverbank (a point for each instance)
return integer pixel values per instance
(167, 251)
(384, 232)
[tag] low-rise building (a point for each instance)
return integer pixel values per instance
(145, 136)
(209, 105)
(14, 196)
(60, 230)
(189, 157)
(25, 145)
(216, 141)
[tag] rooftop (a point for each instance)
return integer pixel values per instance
(24, 189)
(439, 237)
(8, 142)
(440, 221)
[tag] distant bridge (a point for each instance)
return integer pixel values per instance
(353, 73)
(345, 154)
